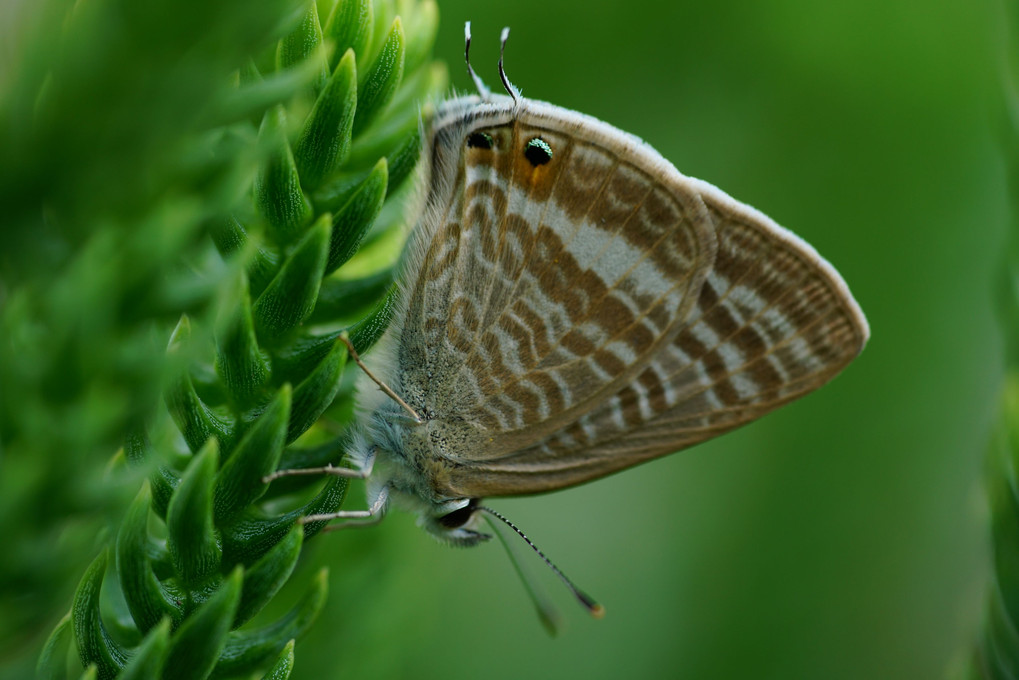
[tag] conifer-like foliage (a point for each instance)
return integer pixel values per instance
(199, 199)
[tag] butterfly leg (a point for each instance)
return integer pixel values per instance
(383, 386)
(363, 472)
(372, 515)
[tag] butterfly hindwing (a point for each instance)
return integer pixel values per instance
(773, 321)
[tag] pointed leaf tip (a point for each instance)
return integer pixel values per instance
(290, 298)
(303, 45)
(267, 575)
(239, 481)
(197, 645)
(326, 137)
(358, 214)
(146, 599)
(349, 27)
(249, 649)
(191, 536)
(381, 80)
(423, 29)
(284, 664)
(95, 646)
(150, 656)
(278, 191)
(240, 362)
(316, 392)
(52, 663)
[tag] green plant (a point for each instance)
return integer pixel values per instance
(237, 220)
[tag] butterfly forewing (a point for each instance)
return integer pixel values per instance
(603, 276)
(566, 276)
(586, 307)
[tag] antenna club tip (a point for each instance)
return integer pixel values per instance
(595, 609)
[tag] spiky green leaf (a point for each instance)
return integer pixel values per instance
(314, 394)
(197, 645)
(349, 27)
(150, 656)
(304, 45)
(297, 359)
(191, 537)
(328, 453)
(239, 482)
(278, 191)
(95, 646)
(197, 421)
(368, 330)
(252, 536)
(351, 298)
(231, 239)
(248, 650)
(147, 599)
(378, 82)
(403, 159)
(325, 139)
(284, 664)
(291, 296)
(264, 578)
(240, 363)
(423, 26)
(52, 662)
(355, 218)
(163, 480)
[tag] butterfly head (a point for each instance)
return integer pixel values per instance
(455, 522)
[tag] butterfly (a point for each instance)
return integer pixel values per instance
(571, 305)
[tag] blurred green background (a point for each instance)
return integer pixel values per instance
(841, 537)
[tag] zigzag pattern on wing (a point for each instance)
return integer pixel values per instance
(590, 270)
(772, 322)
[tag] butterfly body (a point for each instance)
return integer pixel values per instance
(572, 305)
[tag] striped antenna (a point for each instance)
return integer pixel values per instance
(589, 603)
(478, 82)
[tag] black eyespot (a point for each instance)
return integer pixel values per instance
(480, 140)
(458, 518)
(538, 152)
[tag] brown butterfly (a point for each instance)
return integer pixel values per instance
(572, 305)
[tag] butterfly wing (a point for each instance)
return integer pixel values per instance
(587, 311)
(772, 322)
(538, 274)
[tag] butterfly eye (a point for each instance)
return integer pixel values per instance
(538, 152)
(480, 140)
(458, 518)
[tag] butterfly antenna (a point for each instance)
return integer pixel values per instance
(549, 616)
(483, 90)
(593, 608)
(507, 85)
